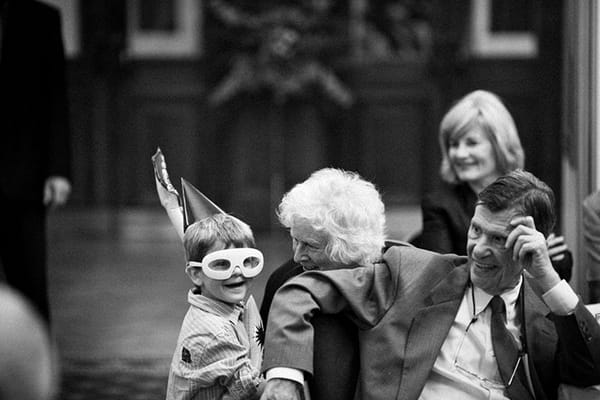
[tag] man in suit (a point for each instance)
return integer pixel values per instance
(34, 141)
(428, 323)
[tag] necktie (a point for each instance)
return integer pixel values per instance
(507, 354)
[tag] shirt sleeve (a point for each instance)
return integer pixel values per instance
(286, 373)
(561, 299)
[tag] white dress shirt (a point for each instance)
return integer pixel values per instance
(466, 366)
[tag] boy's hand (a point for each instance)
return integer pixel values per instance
(530, 249)
(281, 389)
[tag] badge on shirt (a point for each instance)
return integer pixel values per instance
(186, 356)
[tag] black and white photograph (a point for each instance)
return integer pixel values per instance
(300, 200)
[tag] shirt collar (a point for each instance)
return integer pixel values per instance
(510, 297)
(232, 312)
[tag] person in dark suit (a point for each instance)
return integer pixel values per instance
(428, 322)
(479, 142)
(34, 141)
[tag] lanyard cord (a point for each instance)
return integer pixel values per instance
(521, 301)
(474, 316)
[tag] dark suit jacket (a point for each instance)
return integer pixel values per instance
(447, 213)
(404, 309)
(34, 131)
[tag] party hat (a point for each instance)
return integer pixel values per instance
(196, 206)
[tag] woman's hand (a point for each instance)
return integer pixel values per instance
(556, 247)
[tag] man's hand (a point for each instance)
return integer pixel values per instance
(530, 249)
(56, 191)
(282, 389)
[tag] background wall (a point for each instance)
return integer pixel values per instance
(246, 152)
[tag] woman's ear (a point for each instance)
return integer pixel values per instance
(195, 274)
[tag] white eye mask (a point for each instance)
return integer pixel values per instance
(220, 264)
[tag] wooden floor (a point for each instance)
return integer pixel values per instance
(117, 283)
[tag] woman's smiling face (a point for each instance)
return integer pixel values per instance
(473, 159)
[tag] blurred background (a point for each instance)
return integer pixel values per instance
(248, 97)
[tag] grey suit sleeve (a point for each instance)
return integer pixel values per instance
(364, 293)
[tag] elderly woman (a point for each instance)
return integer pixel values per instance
(336, 220)
(479, 142)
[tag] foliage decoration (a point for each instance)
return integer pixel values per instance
(282, 47)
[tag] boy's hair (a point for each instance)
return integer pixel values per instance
(202, 235)
(344, 206)
(522, 191)
(484, 110)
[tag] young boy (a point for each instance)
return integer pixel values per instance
(212, 359)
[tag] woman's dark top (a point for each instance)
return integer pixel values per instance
(447, 213)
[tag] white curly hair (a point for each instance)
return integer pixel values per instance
(344, 206)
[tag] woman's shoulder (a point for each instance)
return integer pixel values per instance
(447, 194)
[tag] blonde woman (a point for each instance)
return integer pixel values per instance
(479, 142)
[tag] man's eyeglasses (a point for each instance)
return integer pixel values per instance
(220, 264)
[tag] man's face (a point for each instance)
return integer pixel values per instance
(308, 245)
(492, 267)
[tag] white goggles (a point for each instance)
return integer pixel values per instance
(220, 264)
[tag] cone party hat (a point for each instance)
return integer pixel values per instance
(196, 205)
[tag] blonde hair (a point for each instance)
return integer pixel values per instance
(347, 208)
(484, 110)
